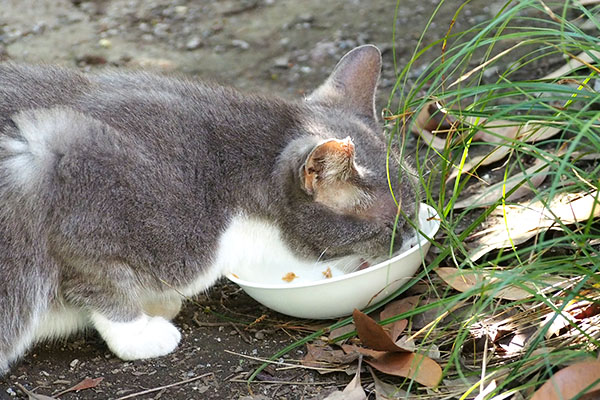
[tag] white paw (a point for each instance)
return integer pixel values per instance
(145, 337)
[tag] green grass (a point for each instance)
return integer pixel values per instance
(526, 34)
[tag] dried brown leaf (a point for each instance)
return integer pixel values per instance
(341, 331)
(573, 63)
(514, 224)
(409, 365)
(386, 391)
(500, 133)
(351, 348)
(536, 174)
(353, 391)
(431, 120)
(465, 280)
(87, 383)
(371, 334)
(394, 308)
(570, 381)
(319, 355)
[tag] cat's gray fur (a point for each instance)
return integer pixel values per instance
(117, 185)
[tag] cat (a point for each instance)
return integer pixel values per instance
(121, 192)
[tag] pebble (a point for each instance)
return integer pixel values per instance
(180, 10)
(242, 44)
(106, 43)
(260, 335)
(194, 43)
(281, 62)
(73, 363)
(144, 27)
(161, 29)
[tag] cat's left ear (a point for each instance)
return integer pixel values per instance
(353, 82)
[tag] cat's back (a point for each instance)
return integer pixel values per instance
(24, 86)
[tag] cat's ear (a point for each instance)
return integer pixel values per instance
(329, 176)
(353, 82)
(328, 163)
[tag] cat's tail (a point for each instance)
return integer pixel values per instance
(31, 147)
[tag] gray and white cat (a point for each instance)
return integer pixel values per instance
(119, 192)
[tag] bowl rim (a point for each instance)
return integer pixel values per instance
(424, 239)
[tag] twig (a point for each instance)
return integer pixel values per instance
(242, 334)
(264, 360)
(236, 380)
(29, 393)
(156, 389)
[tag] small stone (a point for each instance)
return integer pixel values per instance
(73, 363)
(281, 62)
(242, 44)
(40, 27)
(181, 10)
(306, 18)
(161, 30)
(203, 388)
(106, 43)
(260, 335)
(194, 43)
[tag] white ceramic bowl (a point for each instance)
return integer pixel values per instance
(324, 298)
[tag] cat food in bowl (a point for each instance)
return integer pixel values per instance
(323, 291)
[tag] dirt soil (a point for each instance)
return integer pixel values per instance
(274, 46)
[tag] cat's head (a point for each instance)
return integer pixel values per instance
(343, 161)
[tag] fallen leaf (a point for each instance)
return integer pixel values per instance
(500, 134)
(324, 356)
(386, 391)
(531, 178)
(399, 307)
(341, 331)
(516, 223)
(371, 334)
(408, 365)
(464, 280)
(87, 383)
(327, 273)
(570, 381)
(290, 276)
(351, 348)
(422, 369)
(353, 391)
(434, 125)
(396, 308)
(573, 63)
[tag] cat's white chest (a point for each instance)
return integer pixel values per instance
(253, 249)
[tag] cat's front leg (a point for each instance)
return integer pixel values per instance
(166, 305)
(139, 338)
(114, 298)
